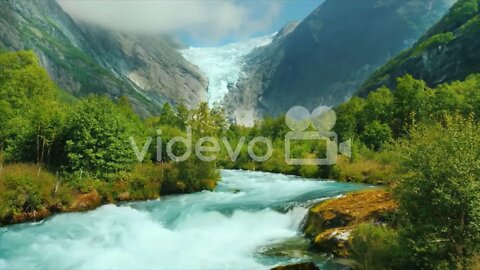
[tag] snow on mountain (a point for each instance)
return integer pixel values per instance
(222, 65)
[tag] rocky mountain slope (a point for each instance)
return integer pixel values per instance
(84, 59)
(329, 54)
(448, 51)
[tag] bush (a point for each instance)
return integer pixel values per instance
(147, 180)
(375, 247)
(439, 198)
(98, 138)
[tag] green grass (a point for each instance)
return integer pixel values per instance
(25, 187)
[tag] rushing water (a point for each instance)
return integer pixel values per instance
(224, 229)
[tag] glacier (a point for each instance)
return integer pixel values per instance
(222, 65)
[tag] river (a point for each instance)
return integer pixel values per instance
(229, 228)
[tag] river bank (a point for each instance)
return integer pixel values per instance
(30, 193)
(247, 213)
(36, 194)
(328, 227)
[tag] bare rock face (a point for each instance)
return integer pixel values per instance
(328, 55)
(85, 59)
(244, 100)
(150, 64)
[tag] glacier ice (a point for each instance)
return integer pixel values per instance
(222, 65)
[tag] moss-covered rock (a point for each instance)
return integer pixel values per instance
(329, 223)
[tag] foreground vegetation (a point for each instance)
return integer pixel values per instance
(437, 225)
(424, 143)
(54, 148)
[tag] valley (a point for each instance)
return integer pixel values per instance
(143, 149)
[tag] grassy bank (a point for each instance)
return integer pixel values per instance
(30, 192)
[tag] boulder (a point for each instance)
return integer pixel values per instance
(85, 202)
(329, 223)
(334, 241)
(30, 216)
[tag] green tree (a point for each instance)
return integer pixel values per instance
(97, 138)
(376, 134)
(379, 106)
(168, 116)
(127, 110)
(31, 115)
(349, 118)
(412, 103)
(203, 122)
(183, 115)
(449, 99)
(439, 197)
(6, 113)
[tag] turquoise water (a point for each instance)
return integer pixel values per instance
(224, 229)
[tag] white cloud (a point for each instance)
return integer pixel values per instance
(204, 19)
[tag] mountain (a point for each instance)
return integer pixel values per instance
(447, 52)
(86, 59)
(157, 69)
(322, 60)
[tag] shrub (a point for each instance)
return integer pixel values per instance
(375, 247)
(98, 138)
(439, 199)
